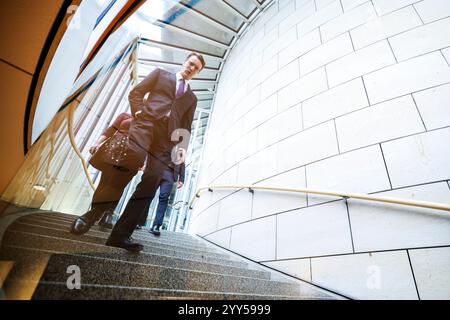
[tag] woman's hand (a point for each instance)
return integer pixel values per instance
(93, 149)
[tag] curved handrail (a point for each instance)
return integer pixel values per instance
(345, 195)
(75, 147)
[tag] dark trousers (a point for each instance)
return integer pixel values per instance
(165, 189)
(152, 135)
(110, 188)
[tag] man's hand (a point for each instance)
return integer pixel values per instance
(180, 184)
(93, 149)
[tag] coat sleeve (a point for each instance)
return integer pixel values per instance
(189, 117)
(136, 96)
(109, 132)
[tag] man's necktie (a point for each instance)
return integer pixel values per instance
(180, 90)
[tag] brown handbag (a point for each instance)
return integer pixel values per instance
(111, 152)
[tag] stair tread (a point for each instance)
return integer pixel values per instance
(64, 244)
(46, 289)
(21, 253)
(172, 266)
(101, 239)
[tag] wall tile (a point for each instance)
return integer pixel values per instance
(359, 171)
(359, 63)
(302, 89)
(431, 10)
(381, 226)
(235, 209)
(260, 232)
(378, 123)
(332, 50)
(314, 231)
(267, 202)
(221, 238)
(303, 11)
(347, 21)
(432, 273)
(421, 40)
(307, 146)
(434, 106)
(406, 77)
(369, 276)
(282, 78)
(323, 15)
(299, 268)
(418, 159)
(299, 47)
(385, 6)
(340, 100)
(385, 26)
(350, 4)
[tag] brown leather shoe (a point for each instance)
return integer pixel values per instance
(126, 243)
(106, 221)
(82, 224)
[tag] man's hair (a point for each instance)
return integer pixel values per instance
(199, 56)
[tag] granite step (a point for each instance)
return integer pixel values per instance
(165, 235)
(172, 266)
(22, 257)
(62, 232)
(70, 219)
(148, 247)
(31, 240)
(102, 271)
(199, 245)
(52, 290)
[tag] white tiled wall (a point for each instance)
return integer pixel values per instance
(382, 226)
(378, 123)
(300, 268)
(432, 272)
(335, 102)
(360, 62)
(351, 95)
(421, 40)
(431, 10)
(408, 76)
(361, 171)
(434, 106)
(384, 275)
(419, 158)
(261, 231)
(314, 231)
(385, 26)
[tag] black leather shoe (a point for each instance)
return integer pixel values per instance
(82, 224)
(107, 220)
(155, 230)
(127, 244)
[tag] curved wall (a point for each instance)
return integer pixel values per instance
(349, 95)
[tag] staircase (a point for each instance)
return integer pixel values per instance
(43, 257)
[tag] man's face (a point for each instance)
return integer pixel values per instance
(190, 68)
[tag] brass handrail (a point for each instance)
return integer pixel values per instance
(74, 145)
(345, 195)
